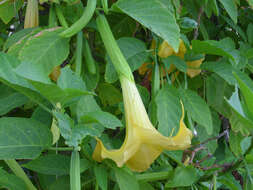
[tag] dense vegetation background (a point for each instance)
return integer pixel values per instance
(60, 91)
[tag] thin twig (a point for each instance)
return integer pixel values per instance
(196, 32)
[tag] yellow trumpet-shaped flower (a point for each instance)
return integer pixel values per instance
(165, 50)
(143, 143)
(32, 14)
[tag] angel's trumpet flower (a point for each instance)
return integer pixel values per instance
(32, 14)
(143, 143)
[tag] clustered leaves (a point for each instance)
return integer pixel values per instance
(168, 105)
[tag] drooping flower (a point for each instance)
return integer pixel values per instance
(165, 50)
(143, 143)
(32, 14)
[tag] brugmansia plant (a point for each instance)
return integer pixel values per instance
(126, 94)
(143, 143)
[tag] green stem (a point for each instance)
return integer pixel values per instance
(52, 20)
(79, 48)
(61, 148)
(152, 176)
(112, 48)
(61, 17)
(214, 181)
(19, 172)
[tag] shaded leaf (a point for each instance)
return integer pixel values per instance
(104, 118)
(183, 177)
(155, 15)
(54, 164)
(169, 111)
(125, 179)
(10, 181)
(197, 108)
(22, 138)
(135, 53)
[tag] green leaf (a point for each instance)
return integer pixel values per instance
(169, 111)
(108, 94)
(197, 108)
(237, 118)
(101, 176)
(135, 53)
(223, 47)
(183, 177)
(11, 182)
(41, 54)
(234, 143)
(69, 86)
(18, 40)
(155, 15)
(122, 25)
(86, 104)
(228, 181)
(80, 131)
(9, 9)
(22, 138)
(250, 32)
(246, 86)
(104, 118)
(65, 124)
(62, 182)
(222, 68)
(54, 164)
(125, 179)
(16, 37)
(231, 9)
(250, 2)
(179, 63)
(216, 90)
(11, 101)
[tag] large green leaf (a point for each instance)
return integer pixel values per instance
(223, 47)
(10, 78)
(11, 182)
(80, 131)
(41, 54)
(125, 179)
(104, 118)
(197, 108)
(237, 117)
(8, 9)
(22, 138)
(246, 86)
(108, 94)
(169, 111)
(135, 53)
(222, 68)
(179, 63)
(231, 9)
(216, 90)
(54, 164)
(101, 176)
(155, 15)
(18, 41)
(183, 177)
(10, 99)
(16, 37)
(69, 86)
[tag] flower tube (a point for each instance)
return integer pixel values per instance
(32, 14)
(143, 143)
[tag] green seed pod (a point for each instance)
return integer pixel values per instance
(75, 181)
(81, 23)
